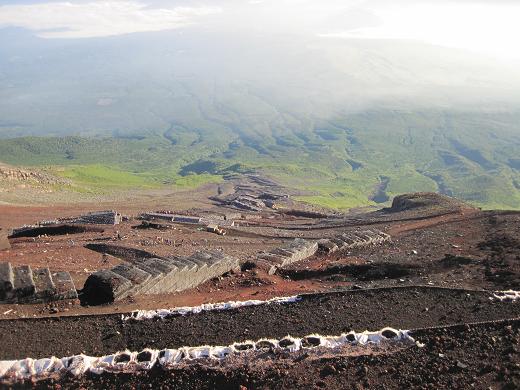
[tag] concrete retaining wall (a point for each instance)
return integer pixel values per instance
(297, 250)
(22, 284)
(156, 276)
(351, 240)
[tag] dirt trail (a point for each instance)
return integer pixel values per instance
(399, 228)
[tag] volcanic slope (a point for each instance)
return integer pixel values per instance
(405, 282)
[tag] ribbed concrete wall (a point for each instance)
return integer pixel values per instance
(301, 249)
(24, 285)
(156, 276)
(297, 250)
(353, 240)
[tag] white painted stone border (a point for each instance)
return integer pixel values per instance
(162, 313)
(129, 362)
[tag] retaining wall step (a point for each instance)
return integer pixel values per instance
(142, 265)
(182, 264)
(6, 280)
(275, 259)
(152, 266)
(282, 252)
(132, 273)
(156, 276)
(216, 262)
(340, 242)
(162, 265)
(189, 264)
(45, 288)
(65, 288)
(201, 263)
(328, 246)
(23, 282)
(23, 285)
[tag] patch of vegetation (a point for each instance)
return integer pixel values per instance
(336, 163)
(104, 176)
(194, 181)
(333, 202)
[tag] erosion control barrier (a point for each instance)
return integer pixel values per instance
(22, 284)
(351, 240)
(107, 217)
(295, 251)
(509, 295)
(162, 313)
(155, 276)
(127, 362)
(55, 230)
(301, 249)
(122, 252)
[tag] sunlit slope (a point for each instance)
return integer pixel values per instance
(341, 162)
(352, 122)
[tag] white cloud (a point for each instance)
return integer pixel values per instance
(98, 18)
(487, 28)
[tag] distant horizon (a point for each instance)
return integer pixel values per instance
(484, 26)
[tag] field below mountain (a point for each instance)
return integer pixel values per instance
(356, 160)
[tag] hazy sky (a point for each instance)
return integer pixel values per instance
(489, 27)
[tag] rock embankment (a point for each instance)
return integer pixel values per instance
(155, 276)
(22, 284)
(425, 200)
(17, 175)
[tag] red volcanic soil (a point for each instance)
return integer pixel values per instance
(471, 341)
(419, 247)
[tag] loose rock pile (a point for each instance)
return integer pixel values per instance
(15, 174)
(24, 285)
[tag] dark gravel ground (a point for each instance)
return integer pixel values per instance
(480, 251)
(327, 313)
(484, 356)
